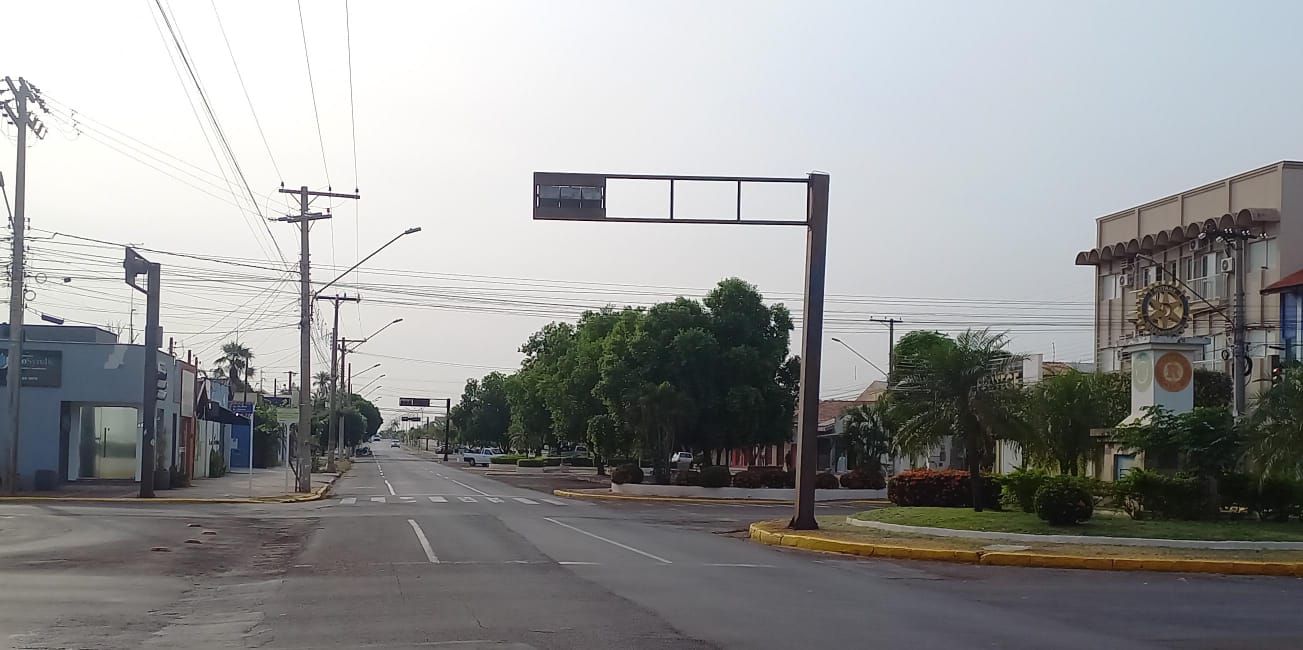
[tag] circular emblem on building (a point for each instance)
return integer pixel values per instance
(1164, 310)
(1173, 372)
(1142, 371)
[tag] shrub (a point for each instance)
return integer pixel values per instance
(1018, 488)
(825, 481)
(552, 461)
(1278, 498)
(685, 477)
(862, 479)
(627, 474)
(778, 479)
(1062, 501)
(529, 462)
(716, 476)
(749, 479)
(946, 488)
(579, 461)
(1149, 494)
(505, 459)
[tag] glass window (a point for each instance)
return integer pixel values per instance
(1258, 255)
(1108, 287)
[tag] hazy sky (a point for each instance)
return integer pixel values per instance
(970, 147)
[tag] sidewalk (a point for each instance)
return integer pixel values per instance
(267, 484)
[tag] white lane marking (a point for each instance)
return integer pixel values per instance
(494, 500)
(743, 566)
(476, 491)
(391, 488)
(528, 502)
(466, 499)
(378, 499)
(579, 563)
(553, 502)
(438, 500)
(407, 498)
(610, 541)
(425, 543)
(348, 501)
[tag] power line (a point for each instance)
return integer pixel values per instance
(247, 98)
(313, 89)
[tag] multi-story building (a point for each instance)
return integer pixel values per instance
(1160, 241)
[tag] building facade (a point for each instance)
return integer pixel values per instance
(1159, 242)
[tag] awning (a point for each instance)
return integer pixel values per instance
(214, 412)
(1292, 281)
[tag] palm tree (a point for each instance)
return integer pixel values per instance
(1063, 409)
(234, 364)
(868, 437)
(1277, 426)
(955, 387)
(322, 380)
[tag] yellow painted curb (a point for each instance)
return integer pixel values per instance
(814, 542)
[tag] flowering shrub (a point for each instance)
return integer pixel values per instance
(945, 488)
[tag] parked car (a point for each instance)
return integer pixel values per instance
(475, 457)
(680, 457)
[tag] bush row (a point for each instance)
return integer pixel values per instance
(945, 488)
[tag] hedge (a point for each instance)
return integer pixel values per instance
(506, 459)
(1019, 487)
(946, 488)
(552, 461)
(578, 461)
(529, 462)
(826, 481)
(627, 474)
(1062, 501)
(716, 476)
(860, 479)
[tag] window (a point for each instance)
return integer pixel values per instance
(1258, 255)
(1147, 276)
(1108, 287)
(1204, 277)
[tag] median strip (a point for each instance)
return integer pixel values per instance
(775, 533)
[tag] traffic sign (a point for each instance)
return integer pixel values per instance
(242, 408)
(414, 401)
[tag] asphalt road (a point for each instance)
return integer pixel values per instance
(415, 554)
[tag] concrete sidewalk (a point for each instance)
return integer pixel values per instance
(266, 484)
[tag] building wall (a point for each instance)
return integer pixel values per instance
(1278, 187)
(102, 374)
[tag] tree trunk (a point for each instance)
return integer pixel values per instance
(975, 474)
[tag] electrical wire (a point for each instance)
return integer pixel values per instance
(245, 88)
(313, 90)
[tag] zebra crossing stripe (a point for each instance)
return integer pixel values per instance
(466, 499)
(378, 499)
(348, 501)
(438, 500)
(494, 500)
(528, 502)
(553, 502)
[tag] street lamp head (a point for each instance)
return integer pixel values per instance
(836, 339)
(395, 321)
(414, 229)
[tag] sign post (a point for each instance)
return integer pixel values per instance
(246, 409)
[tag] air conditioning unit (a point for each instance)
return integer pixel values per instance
(1197, 244)
(1126, 280)
(1228, 264)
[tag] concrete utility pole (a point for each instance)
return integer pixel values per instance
(133, 265)
(1239, 329)
(447, 424)
(807, 409)
(17, 110)
(891, 345)
(336, 440)
(304, 219)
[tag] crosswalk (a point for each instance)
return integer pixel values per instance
(436, 499)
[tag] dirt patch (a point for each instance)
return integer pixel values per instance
(546, 483)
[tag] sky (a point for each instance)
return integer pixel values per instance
(970, 146)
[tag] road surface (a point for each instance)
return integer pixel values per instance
(410, 553)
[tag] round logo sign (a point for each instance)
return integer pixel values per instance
(1142, 371)
(1164, 310)
(1174, 372)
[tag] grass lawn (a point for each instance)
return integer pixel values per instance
(1103, 524)
(836, 527)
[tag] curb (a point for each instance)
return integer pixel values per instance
(628, 497)
(316, 494)
(814, 542)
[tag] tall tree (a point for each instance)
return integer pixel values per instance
(868, 436)
(955, 387)
(235, 364)
(531, 422)
(1062, 410)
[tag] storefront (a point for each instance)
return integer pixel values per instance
(81, 401)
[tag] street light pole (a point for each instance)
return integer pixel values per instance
(862, 357)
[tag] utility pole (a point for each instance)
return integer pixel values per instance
(891, 349)
(336, 440)
(447, 423)
(1239, 329)
(290, 386)
(133, 265)
(807, 403)
(304, 219)
(17, 110)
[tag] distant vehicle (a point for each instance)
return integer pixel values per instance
(681, 457)
(475, 457)
(393, 444)
(375, 438)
